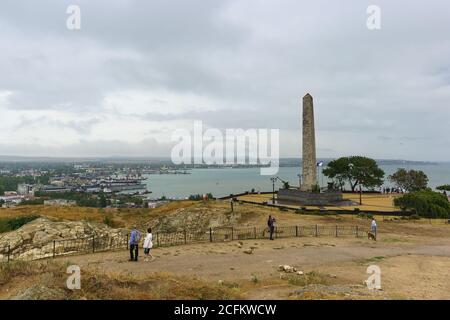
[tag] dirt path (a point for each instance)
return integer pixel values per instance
(403, 264)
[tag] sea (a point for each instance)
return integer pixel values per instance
(225, 181)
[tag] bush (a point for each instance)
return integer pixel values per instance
(426, 204)
(32, 202)
(365, 216)
(110, 222)
(11, 224)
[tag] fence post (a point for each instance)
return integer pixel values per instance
(93, 243)
(317, 231)
(54, 248)
(336, 231)
(9, 252)
(185, 236)
(128, 240)
(210, 234)
(232, 233)
(157, 239)
(357, 232)
(255, 231)
(296, 231)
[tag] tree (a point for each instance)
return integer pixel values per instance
(355, 170)
(425, 203)
(102, 202)
(411, 180)
(445, 187)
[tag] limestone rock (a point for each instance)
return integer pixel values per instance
(34, 240)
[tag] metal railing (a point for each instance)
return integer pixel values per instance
(94, 243)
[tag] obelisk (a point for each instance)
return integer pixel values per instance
(309, 173)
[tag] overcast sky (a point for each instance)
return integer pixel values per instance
(138, 70)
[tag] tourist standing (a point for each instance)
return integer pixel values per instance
(271, 225)
(373, 227)
(135, 236)
(148, 244)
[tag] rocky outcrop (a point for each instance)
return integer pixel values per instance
(43, 237)
(195, 219)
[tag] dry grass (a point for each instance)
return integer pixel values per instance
(308, 278)
(95, 285)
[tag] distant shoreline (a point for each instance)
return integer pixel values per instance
(284, 162)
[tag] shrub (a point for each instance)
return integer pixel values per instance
(365, 215)
(426, 203)
(11, 224)
(109, 221)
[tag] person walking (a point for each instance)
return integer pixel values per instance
(373, 227)
(148, 245)
(135, 236)
(271, 225)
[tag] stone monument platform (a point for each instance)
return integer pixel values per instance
(296, 196)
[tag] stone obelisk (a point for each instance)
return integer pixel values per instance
(309, 173)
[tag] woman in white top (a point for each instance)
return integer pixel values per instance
(148, 244)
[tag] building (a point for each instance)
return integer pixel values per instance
(25, 189)
(53, 189)
(60, 202)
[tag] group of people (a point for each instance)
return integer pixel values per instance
(388, 190)
(135, 237)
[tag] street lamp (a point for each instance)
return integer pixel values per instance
(360, 194)
(273, 189)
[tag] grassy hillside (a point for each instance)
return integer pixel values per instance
(46, 280)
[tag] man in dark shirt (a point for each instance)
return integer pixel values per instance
(271, 225)
(135, 236)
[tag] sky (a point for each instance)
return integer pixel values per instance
(138, 70)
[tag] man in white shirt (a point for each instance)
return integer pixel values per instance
(373, 227)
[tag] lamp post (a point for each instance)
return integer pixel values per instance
(360, 194)
(360, 185)
(273, 189)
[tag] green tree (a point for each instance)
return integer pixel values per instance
(425, 203)
(445, 187)
(355, 170)
(102, 202)
(411, 180)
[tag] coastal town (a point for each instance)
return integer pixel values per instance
(102, 185)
